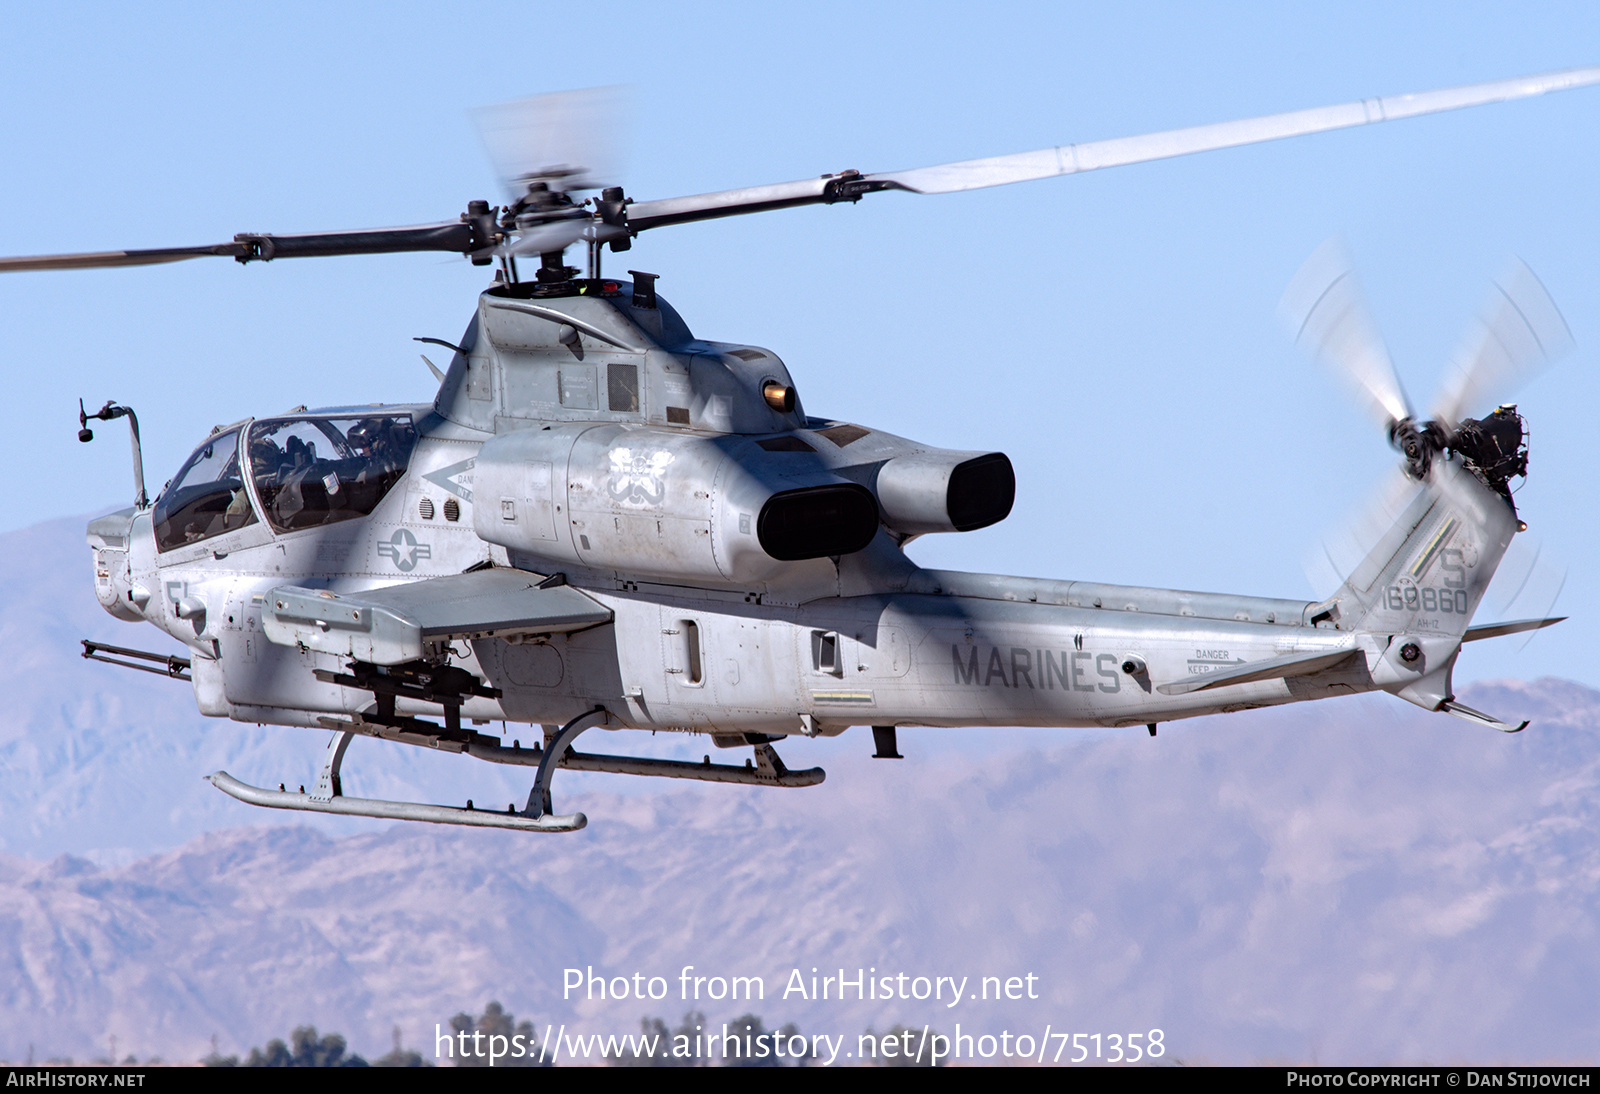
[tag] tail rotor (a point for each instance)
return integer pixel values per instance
(1519, 331)
(1413, 583)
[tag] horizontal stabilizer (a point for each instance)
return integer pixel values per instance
(1478, 717)
(390, 626)
(1495, 630)
(1295, 664)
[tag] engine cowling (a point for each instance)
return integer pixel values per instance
(661, 503)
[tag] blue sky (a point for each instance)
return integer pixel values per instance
(1115, 333)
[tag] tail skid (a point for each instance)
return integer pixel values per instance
(1461, 710)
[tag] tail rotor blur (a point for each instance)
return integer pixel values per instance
(1328, 312)
(1519, 331)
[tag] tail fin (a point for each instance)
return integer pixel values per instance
(1413, 596)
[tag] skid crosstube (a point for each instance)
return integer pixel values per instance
(767, 769)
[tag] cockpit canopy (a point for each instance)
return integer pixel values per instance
(307, 472)
(314, 471)
(206, 498)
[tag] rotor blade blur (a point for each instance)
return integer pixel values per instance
(1460, 488)
(1348, 545)
(99, 259)
(556, 236)
(1343, 546)
(570, 139)
(559, 235)
(1527, 583)
(1076, 158)
(1328, 313)
(1520, 330)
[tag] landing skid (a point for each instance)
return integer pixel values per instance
(372, 807)
(766, 769)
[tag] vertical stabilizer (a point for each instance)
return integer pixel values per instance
(1413, 595)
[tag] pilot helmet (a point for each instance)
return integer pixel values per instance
(264, 454)
(366, 434)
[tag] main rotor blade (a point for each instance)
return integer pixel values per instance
(456, 236)
(1091, 156)
(748, 199)
(1328, 312)
(1073, 158)
(116, 258)
(1520, 331)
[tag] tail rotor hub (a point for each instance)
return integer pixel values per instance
(1418, 442)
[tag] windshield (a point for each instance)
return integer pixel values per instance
(315, 471)
(206, 498)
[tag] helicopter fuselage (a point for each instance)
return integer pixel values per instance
(685, 528)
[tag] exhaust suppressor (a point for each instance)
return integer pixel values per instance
(940, 491)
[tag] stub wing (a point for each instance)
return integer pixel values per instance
(391, 626)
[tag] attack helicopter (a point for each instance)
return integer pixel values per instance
(604, 519)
